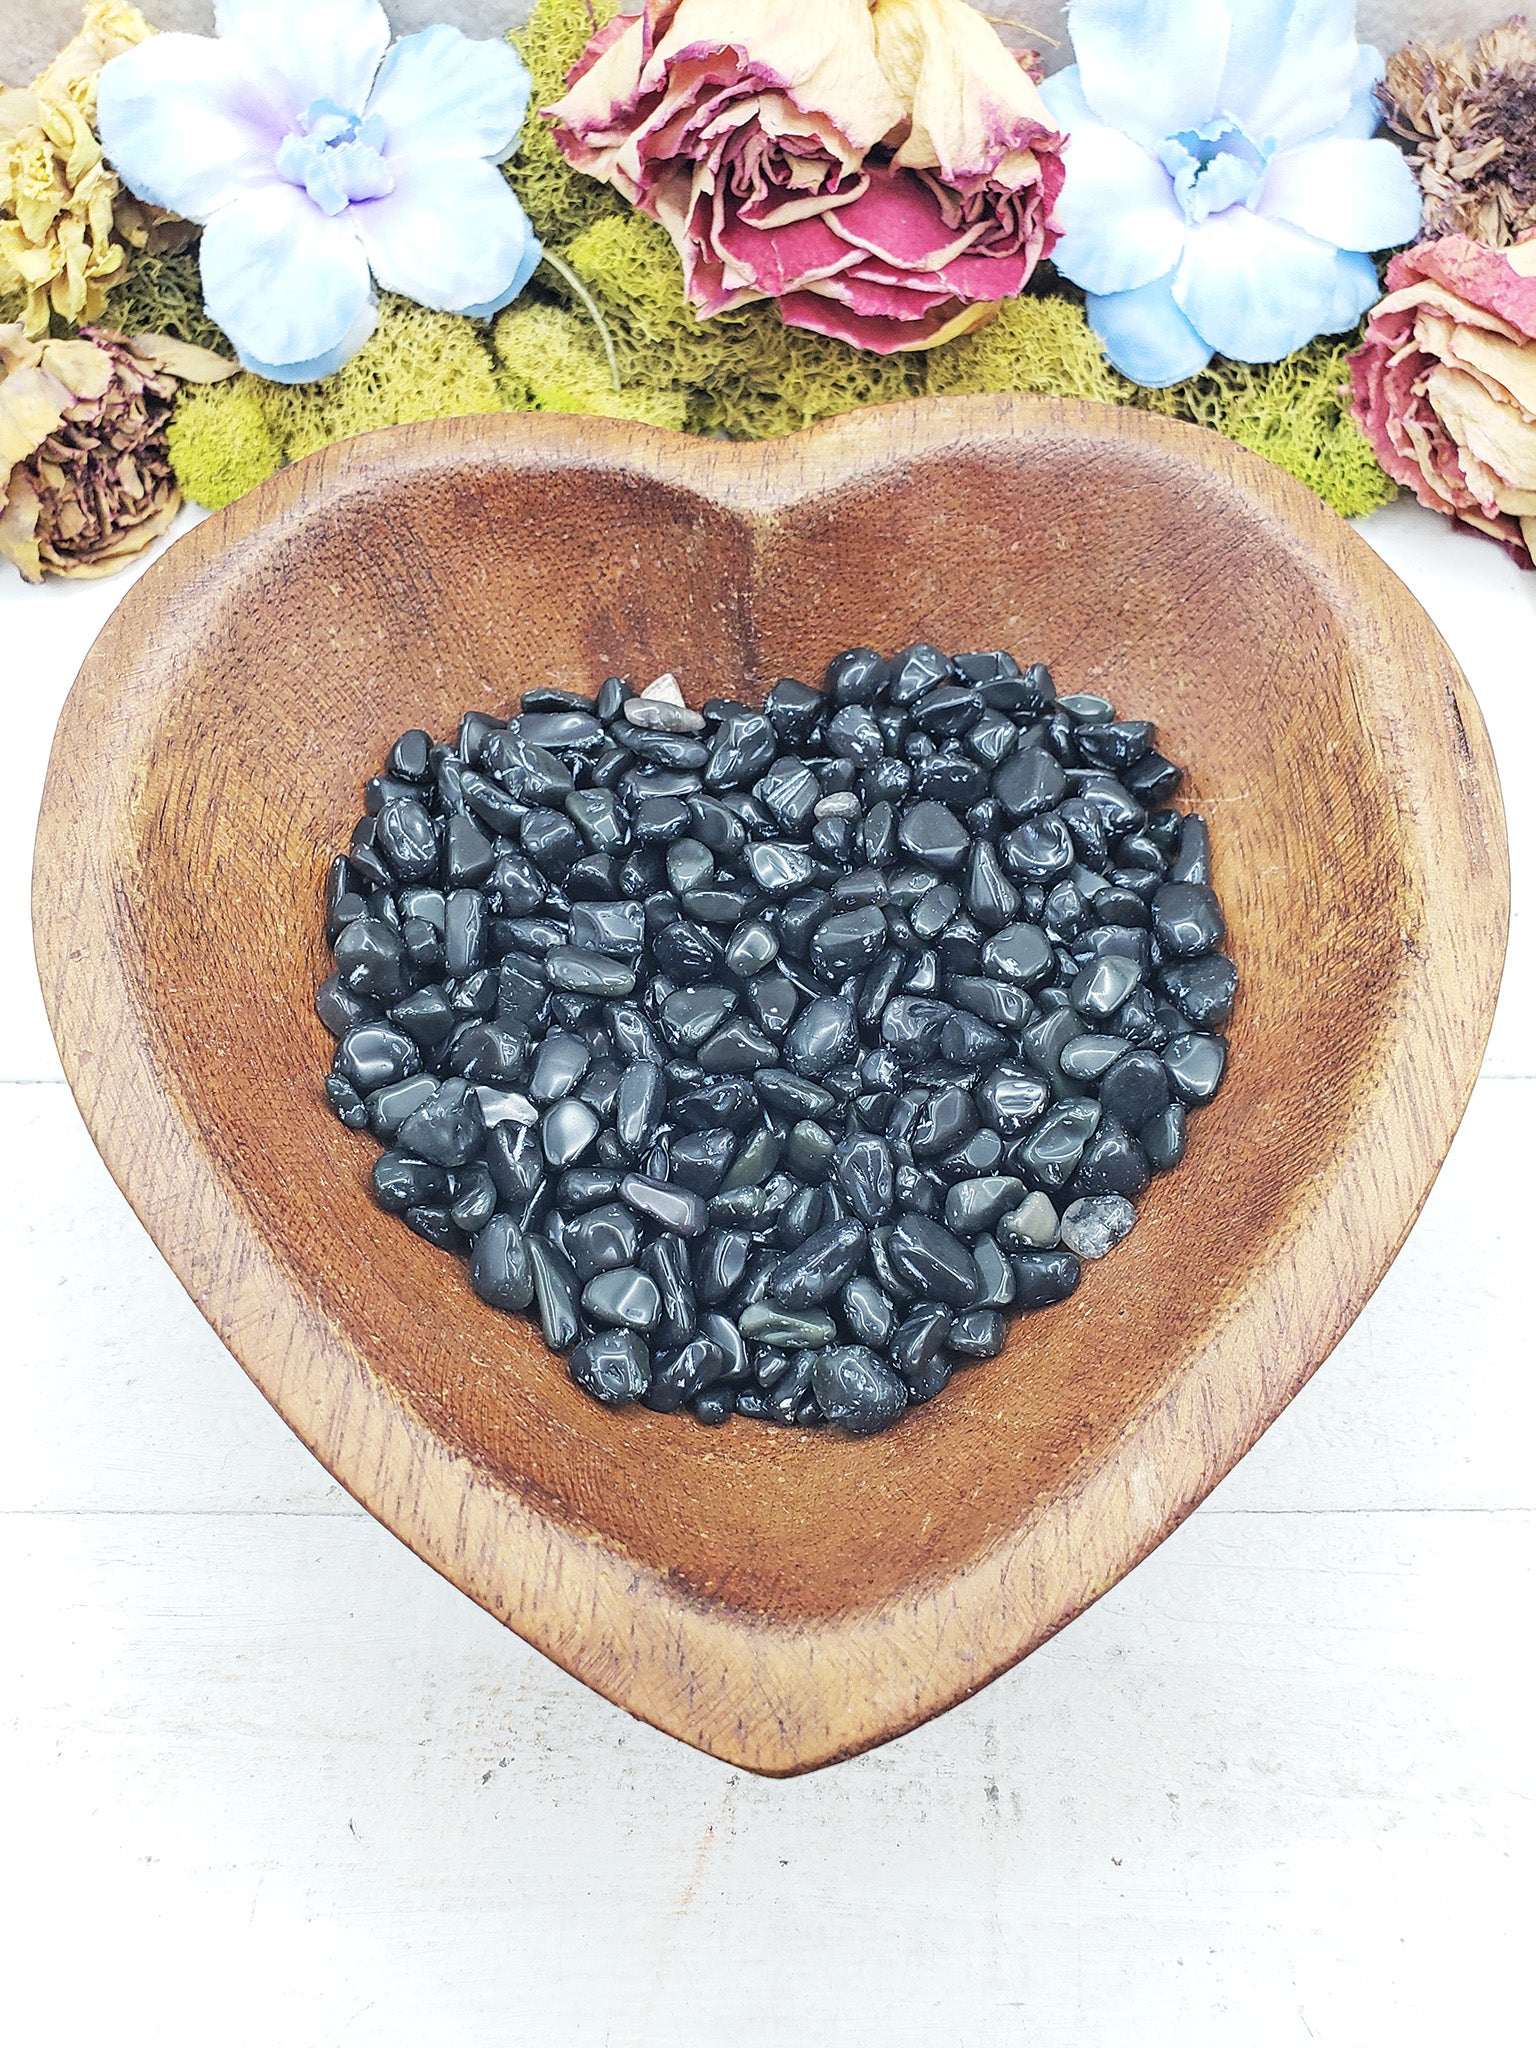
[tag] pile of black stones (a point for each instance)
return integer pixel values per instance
(771, 1058)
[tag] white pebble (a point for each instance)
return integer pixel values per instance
(660, 714)
(1096, 1224)
(665, 688)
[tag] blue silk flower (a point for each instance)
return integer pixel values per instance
(321, 162)
(1222, 189)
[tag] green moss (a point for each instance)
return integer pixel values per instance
(164, 295)
(417, 366)
(226, 438)
(745, 373)
(559, 201)
(1291, 412)
(552, 361)
(1037, 345)
(629, 265)
(784, 378)
(221, 443)
(1296, 414)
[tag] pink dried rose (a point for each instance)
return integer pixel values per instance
(887, 173)
(85, 471)
(1445, 384)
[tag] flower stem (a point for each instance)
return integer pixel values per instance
(563, 270)
(1023, 27)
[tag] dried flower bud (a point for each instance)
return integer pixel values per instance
(1473, 115)
(85, 473)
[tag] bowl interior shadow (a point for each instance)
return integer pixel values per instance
(482, 559)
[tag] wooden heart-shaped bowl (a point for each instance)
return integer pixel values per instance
(779, 1598)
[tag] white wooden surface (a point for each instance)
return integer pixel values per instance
(270, 1783)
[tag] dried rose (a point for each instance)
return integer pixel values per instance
(68, 230)
(1472, 114)
(1445, 384)
(887, 173)
(85, 474)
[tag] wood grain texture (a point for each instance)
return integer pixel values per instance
(778, 1601)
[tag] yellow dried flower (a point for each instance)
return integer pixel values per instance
(68, 230)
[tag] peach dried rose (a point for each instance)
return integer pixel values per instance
(887, 174)
(1445, 384)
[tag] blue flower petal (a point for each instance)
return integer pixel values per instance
(1290, 67)
(1120, 223)
(532, 257)
(185, 126)
(1356, 288)
(450, 235)
(320, 366)
(1064, 100)
(317, 49)
(439, 94)
(1146, 336)
(1255, 289)
(1151, 67)
(1358, 195)
(1363, 117)
(287, 284)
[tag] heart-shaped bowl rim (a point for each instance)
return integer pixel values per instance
(882, 1613)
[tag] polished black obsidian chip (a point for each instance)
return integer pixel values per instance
(773, 1059)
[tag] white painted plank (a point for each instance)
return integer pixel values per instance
(46, 633)
(1486, 608)
(120, 1397)
(1274, 1789)
(1430, 1400)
